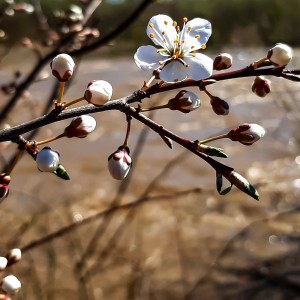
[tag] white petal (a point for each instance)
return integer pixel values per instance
(161, 26)
(200, 66)
(199, 27)
(147, 58)
(173, 72)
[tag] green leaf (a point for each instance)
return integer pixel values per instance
(61, 172)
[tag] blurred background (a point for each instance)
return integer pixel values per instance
(164, 232)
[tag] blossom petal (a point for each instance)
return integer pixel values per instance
(196, 33)
(147, 58)
(161, 31)
(173, 72)
(200, 66)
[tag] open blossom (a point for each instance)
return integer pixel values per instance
(177, 55)
(119, 163)
(184, 101)
(80, 127)
(247, 134)
(62, 67)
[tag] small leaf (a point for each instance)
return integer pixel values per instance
(226, 191)
(211, 151)
(219, 181)
(61, 172)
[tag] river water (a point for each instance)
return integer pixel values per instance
(185, 241)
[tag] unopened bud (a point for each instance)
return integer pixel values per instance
(261, 86)
(98, 92)
(47, 160)
(219, 106)
(119, 163)
(80, 127)
(184, 101)
(13, 256)
(280, 55)
(4, 190)
(3, 263)
(62, 67)
(10, 284)
(241, 183)
(222, 62)
(247, 134)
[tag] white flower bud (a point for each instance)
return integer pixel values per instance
(3, 263)
(222, 62)
(219, 106)
(80, 127)
(119, 163)
(247, 134)
(13, 255)
(47, 160)
(261, 86)
(62, 67)
(184, 101)
(10, 284)
(98, 92)
(280, 55)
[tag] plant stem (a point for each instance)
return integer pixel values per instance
(127, 131)
(218, 137)
(13, 164)
(61, 92)
(50, 139)
(155, 107)
(256, 64)
(150, 81)
(72, 102)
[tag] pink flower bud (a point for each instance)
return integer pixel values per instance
(62, 67)
(222, 62)
(10, 284)
(98, 92)
(261, 86)
(185, 102)
(119, 163)
(47, 160)
(280, 55)
(80, 127)
(4, 190)
(219, 106)
(247, 134)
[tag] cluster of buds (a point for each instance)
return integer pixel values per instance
(9, 285)
(247, 134)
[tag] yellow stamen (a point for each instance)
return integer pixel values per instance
(161, 62)
(203, 46)
(166, 22)
(174, 24)
(151, 35)
(197, 36)
(185, 20)
(151, 25)
(189, 29)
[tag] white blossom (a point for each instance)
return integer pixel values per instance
(280, 55)
(98, 92)
(10, 284)
(62, 67)
(47, 160)
(119, 163)
(177, 55)
(80, 126)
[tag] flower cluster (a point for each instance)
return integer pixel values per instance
(10, 284)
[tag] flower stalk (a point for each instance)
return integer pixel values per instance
(67, 104)
(50, 139)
